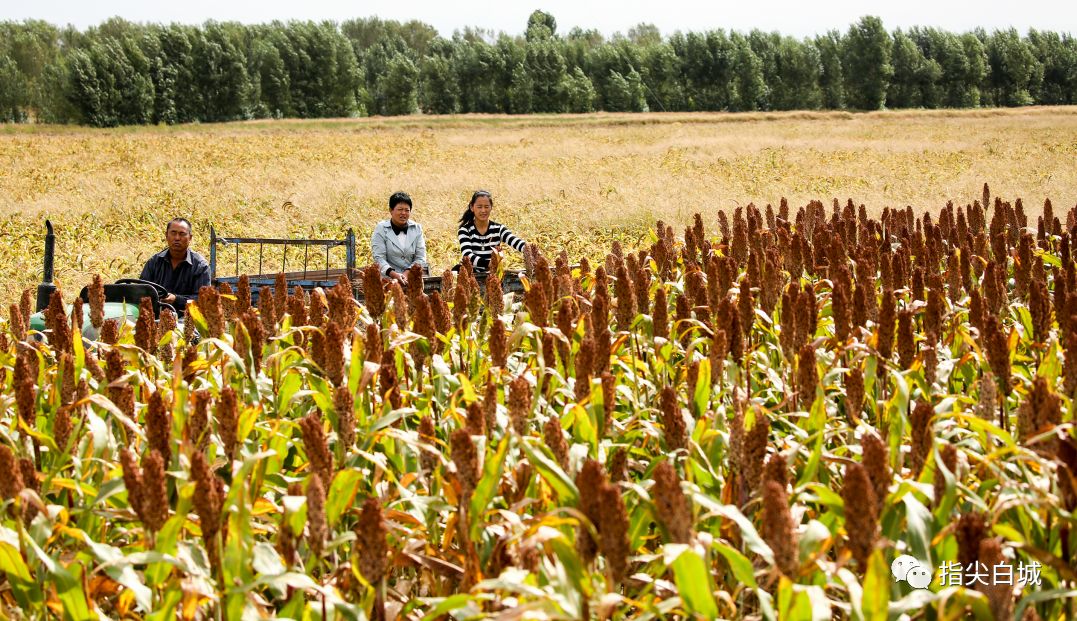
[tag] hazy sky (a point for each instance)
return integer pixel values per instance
(794, 17)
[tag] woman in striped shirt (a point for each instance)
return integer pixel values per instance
(479, 235)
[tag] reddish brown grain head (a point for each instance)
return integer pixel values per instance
(590, 480)
(209, 302)
(227, 414)
(922, 435)
(154, 491)
(317, 447)
(779, 530)
(428, 435)
(344, 404)
(671, 505)
(466, 459)
(555, 439)
(243, 295)
(159, 424)
(861, 513)
(519, 404)
(371, 542)
(373, 292)
(317, 524)
(613, 532)
(674, 429)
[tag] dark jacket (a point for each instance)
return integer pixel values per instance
(184, 281)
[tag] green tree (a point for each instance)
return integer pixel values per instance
(750, 88)
(221, 81)
(976, 70)
(35, 49)
(14, 95)
(478, 66)
(913, 84)
(110, 84)
(274, 81)
(796, 82)
(540, 25)
(521, 91)
(1058, 55)
(439, 93)
(546, 69)
(832, 75)
(1015, 71)
(866, 54)
(417, 37)
(661, 72)
(707, 63)
(579, 92)
(645, 35)
(625, 93)
(397, 88)
(323, 73)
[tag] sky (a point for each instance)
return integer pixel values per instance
(792, 17)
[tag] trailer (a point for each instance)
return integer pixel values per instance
(308, 268)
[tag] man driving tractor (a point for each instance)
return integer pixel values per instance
(177, 268)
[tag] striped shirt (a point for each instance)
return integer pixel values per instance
(478, 247)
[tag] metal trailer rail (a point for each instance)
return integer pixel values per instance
(325, 277)
(307, 278)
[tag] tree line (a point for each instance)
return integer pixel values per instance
(120, 73)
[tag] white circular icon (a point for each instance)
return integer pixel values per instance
(901, 566)
(906, 568)
(919, 577)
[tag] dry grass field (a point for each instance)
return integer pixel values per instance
(557, 180)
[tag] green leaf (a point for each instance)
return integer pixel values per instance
(1042, 596)
(738, 564)
(583, 426)
(917, 521)
(566, 553)
(342, 494)
(195, 314)
(693, 580)
(289, 385)
(68, 585)
(167, 606)
(552, 474)
(751, 536)
(266, 561)
(702, 397)
(487, 488)
(23, 587)
(876, 598)
(814, 460)
(453, 603)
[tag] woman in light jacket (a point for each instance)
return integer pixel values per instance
(398, 243)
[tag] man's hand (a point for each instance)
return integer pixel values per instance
(169, 299)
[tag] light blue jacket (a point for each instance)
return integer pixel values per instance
(392, 253)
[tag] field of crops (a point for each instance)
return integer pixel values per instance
(574, 183)
(752, 417)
